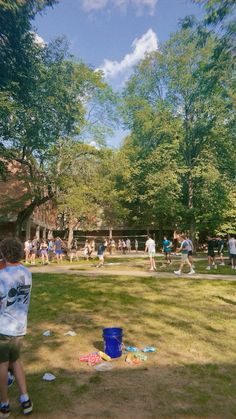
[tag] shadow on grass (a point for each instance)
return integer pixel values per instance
(144, 391)
(192, 374)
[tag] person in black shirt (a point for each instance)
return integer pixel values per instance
(211, 253)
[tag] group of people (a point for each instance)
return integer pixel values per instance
(185, 248)
(45, 249)
(49, 249)
(218, 244)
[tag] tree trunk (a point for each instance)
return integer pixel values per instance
(192, 224)
(70, 237)
(24, 215)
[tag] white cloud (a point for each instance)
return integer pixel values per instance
(147, 43)
(38, 39)
(140, 5)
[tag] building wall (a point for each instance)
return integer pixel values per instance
(15, 195)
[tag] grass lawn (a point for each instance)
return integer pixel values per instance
(191, 323)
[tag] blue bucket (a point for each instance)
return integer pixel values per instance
(113, 341)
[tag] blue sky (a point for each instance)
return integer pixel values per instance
(113, 34)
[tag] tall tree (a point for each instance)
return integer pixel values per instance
(180, 81)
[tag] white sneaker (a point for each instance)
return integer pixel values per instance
(191, 272)
(222, 264)
(177, 272)
(208, 268)
(215, 266)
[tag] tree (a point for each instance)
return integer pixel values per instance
(87, 193)
(178, 105)
(44, 94)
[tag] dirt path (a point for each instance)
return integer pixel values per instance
(76, 269)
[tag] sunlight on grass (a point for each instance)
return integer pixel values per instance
(191, 323)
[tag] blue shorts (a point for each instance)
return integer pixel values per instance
(58, 252)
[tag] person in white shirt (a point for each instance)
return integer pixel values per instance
(232, 251)
(15, 290)
(150, 247)
(27, 250)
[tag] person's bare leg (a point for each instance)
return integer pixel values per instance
(19, 374)
(3, 381)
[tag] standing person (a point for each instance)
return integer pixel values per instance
(33, 250)
(112, 246)
(128, 245)
(50, 249)
(167, 245)
(123, 247)
(184, 255)
(101, 250)
(120, 245)
(15, 289)
(27, 250)
(232, 251)
(150, 247)
(58, 249)
(136, 245)
(211, 253)
(44, 252)
(221, 244)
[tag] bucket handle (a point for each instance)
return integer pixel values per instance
(121, 343)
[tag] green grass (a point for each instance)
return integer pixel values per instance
(191, 323)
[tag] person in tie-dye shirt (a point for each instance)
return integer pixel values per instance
(15, 289)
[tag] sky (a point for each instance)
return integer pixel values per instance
(113, 35)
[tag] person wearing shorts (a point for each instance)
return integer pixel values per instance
(232, 251)
(33, 250)
(58, 249)
(101, 250)
(184, 255)
(190, 251)
(44, 252)
(150, 247)
(167, 249)
(211, 253)
(15, 289)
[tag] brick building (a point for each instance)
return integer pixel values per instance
(15, 193)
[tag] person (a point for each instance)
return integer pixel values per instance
(136, 245)
(86, 249)
(211, 253)
(50, 249)
(58, 249)
(167, 245)
(101, 250)
(27, 250)
(123, 245)
(128, 245)
(15, 289)
(112, 246)
(92, 246)
(232, 251)
(120, 245)
(184, 255)
(221, 244)
(150, 247)
(190, 251)
(33, 250)
(44, 252)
